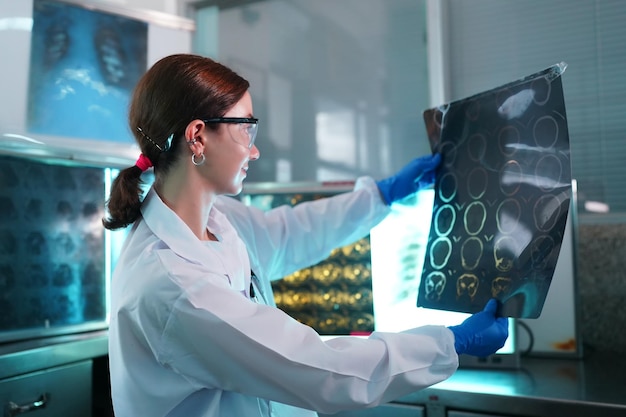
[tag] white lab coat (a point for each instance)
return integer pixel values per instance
(185, 338)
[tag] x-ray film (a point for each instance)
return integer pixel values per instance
(502, 196)
(84, 65)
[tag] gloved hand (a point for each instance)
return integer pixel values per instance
(481, 334)
(416, 175)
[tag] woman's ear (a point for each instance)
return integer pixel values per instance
(193, 136)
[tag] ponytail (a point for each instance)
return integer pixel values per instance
(124, 202)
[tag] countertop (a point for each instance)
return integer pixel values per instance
(550, 387)
(33, 355)
(592, 387)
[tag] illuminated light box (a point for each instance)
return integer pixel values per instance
(398, 249)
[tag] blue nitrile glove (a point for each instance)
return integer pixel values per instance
(416, 175)
(481, 334)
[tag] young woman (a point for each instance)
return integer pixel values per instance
(194, 328)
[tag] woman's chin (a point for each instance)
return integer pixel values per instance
(235, 189)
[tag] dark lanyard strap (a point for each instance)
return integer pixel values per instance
(253, 294)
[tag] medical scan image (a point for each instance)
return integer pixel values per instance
(502, 196)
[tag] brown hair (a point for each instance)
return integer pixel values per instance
(174, 91)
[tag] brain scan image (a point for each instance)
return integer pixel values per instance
(501, 197)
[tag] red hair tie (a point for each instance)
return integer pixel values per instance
(143, 162)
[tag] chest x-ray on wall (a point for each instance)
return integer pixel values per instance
(83, 66)
(68, 70)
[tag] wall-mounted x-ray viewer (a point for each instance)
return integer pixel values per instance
(68, 70)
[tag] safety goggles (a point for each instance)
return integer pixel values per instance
(249, 126)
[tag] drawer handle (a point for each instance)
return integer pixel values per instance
(13, 409)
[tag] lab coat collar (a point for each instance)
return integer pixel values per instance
(170, 229)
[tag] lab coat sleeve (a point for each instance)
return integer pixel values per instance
(216, 338)
(285, 239)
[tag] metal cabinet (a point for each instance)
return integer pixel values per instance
(387, 410)
(56, 392)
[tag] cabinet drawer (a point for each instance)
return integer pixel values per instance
(55, 392)
(469, 414)
(387, 410)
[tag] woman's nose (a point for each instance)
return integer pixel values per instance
(254, 153)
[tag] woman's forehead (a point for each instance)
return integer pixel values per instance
(243, 108)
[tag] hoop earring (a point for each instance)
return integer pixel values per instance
(197, 163)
